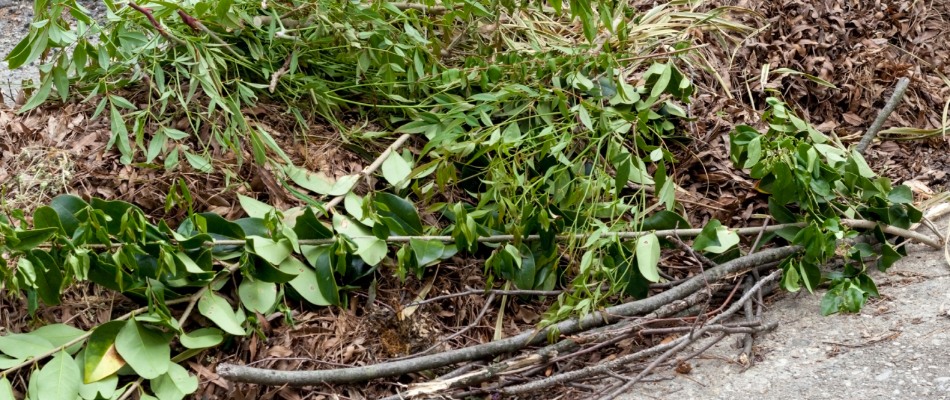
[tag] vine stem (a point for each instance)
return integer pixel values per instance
(81, 338)
(627, 235)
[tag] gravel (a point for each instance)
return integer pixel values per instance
(15, 19)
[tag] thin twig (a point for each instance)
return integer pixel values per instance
(158, 27)
(513, 292)
(882, 115)
(613, 364)
(686, 340)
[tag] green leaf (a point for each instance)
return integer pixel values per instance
(371, 249)
(308, 227)
(144, 349)
(7, 362)
(60, 334)
(104, 388)
(217, 309)
(6, 390)
(715, 238)
(317, 288)
(888, 257)
(24, 345)
(67, 207)
(175, 384)
(29, 239)
(100, 357)
(274, 252)
(120, 136)
(46, 217)
(664, 219)
(862, 166)
(791, 279)
(398, 214)
(901, 195)
(202, 338)
(255, 208)
(427, 251)
(648, 256)
(396, 169)
(666, 73)
(59, 379)
(257, 296)
(199, 162)
(320, 183)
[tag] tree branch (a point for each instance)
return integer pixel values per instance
(238, 373)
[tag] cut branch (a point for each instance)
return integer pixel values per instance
(238, 373)
(882, 116)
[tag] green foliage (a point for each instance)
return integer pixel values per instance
(811, 179)
(110, 243)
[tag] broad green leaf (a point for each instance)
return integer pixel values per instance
(371, 250)
(100, 357)
(60, 334)
(353, 204)
(92, 391)
(217, 309)
(664, 219)
(274, 252)
(320, 183)
(308, 227)
(59, 379)
(666, 73)
(427, 251)
(396, 169)
(67, 207)
(46, 217)
(901, 195)
(255, 208)
(319, 289)
(174, 384)
(863, 169)
(648, 256)
(7, 362)
(27, 240)
(144, 349)
(6, 390)
(257, 296)
(791, 280)
(398, 214)
(202, 338)
(368, 247)
(24, 345)
(715, 238)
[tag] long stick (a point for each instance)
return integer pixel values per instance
(238, 373)
(882, 115)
